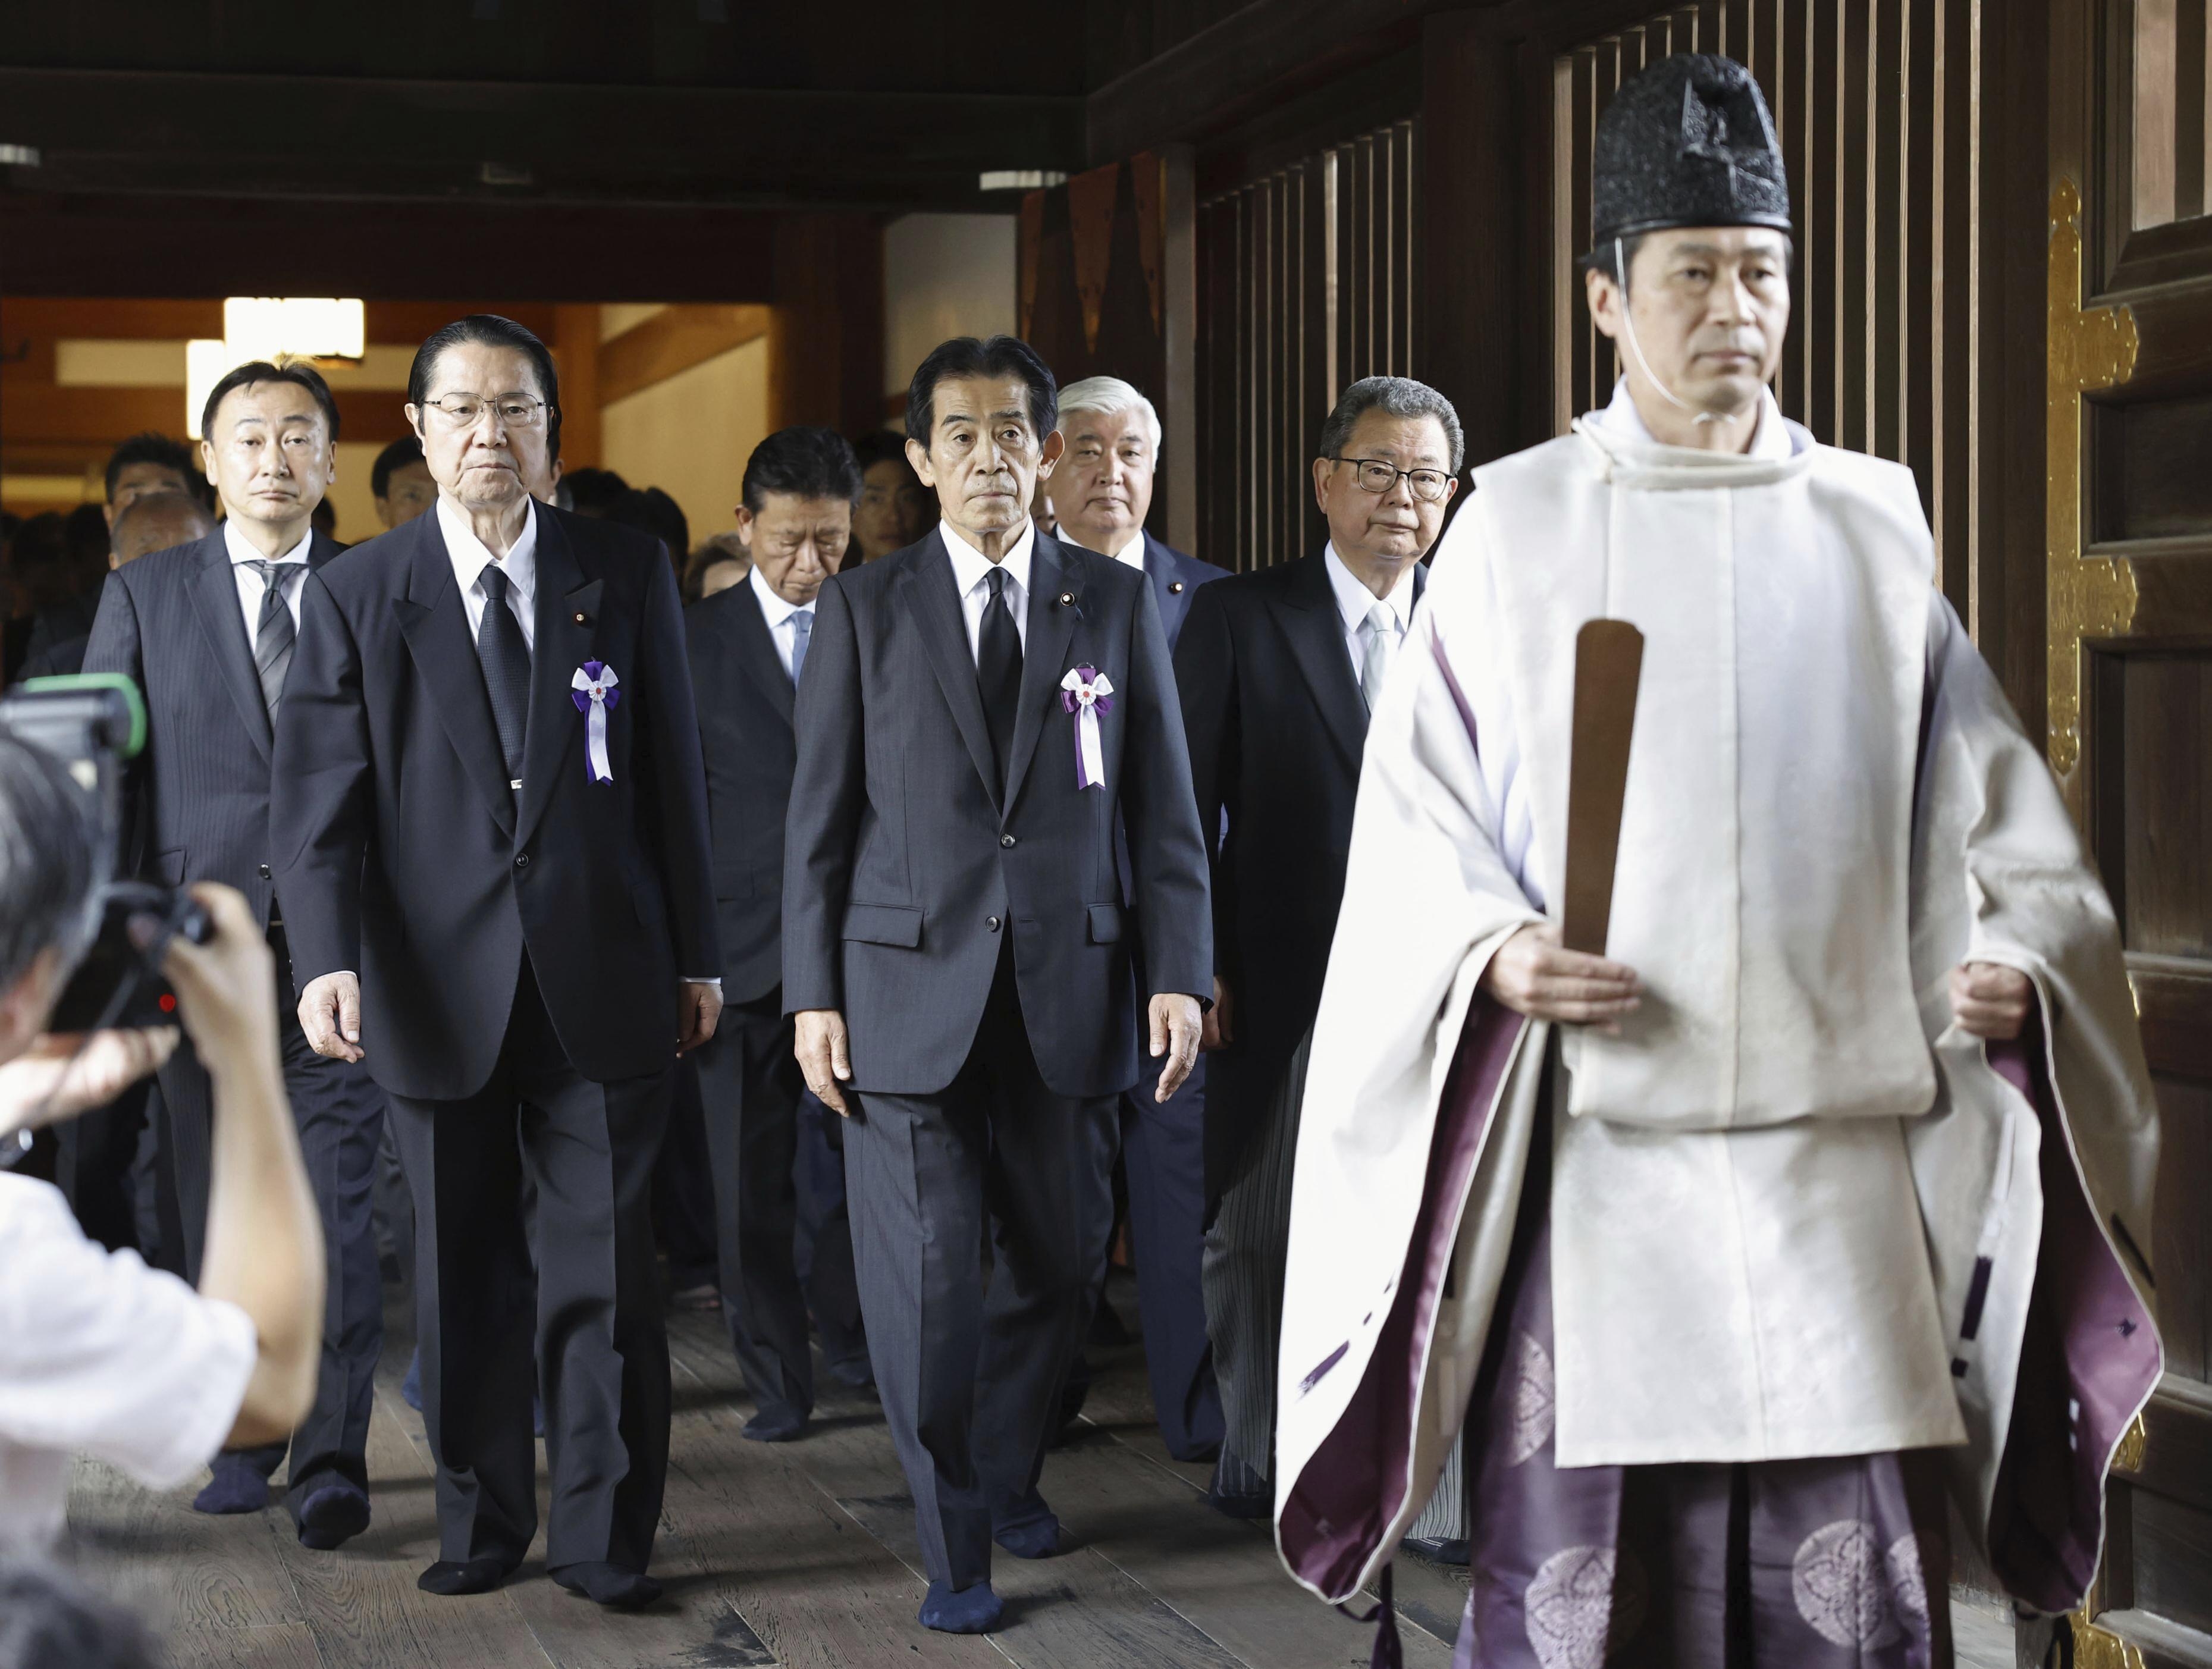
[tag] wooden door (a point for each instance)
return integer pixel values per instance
(2129, 619)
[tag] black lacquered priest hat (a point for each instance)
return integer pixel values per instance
(1687, 143)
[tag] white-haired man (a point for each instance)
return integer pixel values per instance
(1103, 493)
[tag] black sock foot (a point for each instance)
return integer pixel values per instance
(609, 1584)
(967, 1610)
(452, 1576)
(332, 1516)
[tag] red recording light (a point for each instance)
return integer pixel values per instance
(168, 1003)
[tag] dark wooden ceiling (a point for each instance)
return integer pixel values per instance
(651, 143)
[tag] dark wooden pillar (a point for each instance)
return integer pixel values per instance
(826, 339)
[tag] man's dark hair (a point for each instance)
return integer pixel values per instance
(996, 357)
(491, 330)
(49, 1618)
(590, 491)
(1400, 397)
(882, 447)
(84, 537)
(389, 462)
(805, 462)
(296, 371)
(654, 510)
(45, 865)
(152, 448)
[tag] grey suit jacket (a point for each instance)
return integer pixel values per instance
(903, 869)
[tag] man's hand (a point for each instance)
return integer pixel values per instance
(64, 1074)
(1531, 975)
(1176, 1029)
(1989, 1000)
(699, 1008)
(1218, 1029)
(330, 1013)
(825, 1056)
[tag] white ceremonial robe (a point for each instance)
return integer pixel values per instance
(1771, 1192)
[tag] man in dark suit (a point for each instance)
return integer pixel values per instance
(749, 645)
(1102, 490)
(208, 630)
(1278, 669)
(979, 713)
(490, 835)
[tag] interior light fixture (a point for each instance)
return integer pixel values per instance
(269, 327)
(1019, 179)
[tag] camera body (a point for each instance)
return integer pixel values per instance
(94, 724)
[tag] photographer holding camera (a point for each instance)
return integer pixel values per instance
(99, 1354)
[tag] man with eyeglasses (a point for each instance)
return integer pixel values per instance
(491, 834)
(1278, 669)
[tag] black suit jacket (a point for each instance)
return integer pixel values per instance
(199, 792)
(1175, 578)
(744, 702)
(1276, 727)
(903, 870)
(402, 853)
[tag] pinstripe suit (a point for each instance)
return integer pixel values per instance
(173, 623)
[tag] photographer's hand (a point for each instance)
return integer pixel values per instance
(63, 1074)
(330, 1014)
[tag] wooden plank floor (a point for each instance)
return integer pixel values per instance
(796, 1554)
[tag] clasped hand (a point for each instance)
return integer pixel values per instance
(1533, 974)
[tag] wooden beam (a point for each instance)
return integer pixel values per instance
(576, 353)
(143, 319)
(675, 339)
(37, 417)
(68, 245)
(384, 140)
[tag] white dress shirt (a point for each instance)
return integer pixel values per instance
(470, 557)
(778, 615)
(250, 588)
(971, 571)
(1354, 601)
(1132, 550)
(102, 1356)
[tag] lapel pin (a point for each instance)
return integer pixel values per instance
(1068, 599)
(1175, 588)
(580, 621)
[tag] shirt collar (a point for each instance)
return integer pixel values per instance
(774, 609)
(970, 565)
(1354, 600)
(1770, 439)
(241, 552)
(1133, 550)
(470, 556)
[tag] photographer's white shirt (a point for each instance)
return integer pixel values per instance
(102, 1356)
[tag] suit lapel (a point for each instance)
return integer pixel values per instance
(756, 651)
(215, 600)
(567, 614)
(927, 585)
(1051, 627)
(1161, 571)
(436, 623)
(1306, 613)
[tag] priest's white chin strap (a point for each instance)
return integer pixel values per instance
(1628, 329)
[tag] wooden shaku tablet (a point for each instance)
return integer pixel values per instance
(1608, 662)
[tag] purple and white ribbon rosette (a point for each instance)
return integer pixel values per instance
(595, 692)
(1086, 692)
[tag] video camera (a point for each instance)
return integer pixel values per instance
(93, 723)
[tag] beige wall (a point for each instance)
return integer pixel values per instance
(944, 276)
(691, 435)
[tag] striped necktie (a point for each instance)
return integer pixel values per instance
(274, 634)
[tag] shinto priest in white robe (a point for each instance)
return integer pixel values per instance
(1795, 1211)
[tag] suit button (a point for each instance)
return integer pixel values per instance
(991, 922)
(264, 872)
(1004, 841)
(522, 860)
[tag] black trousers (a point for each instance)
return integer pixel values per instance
(1164, 1153)
(751, 1085)
(597, 1337)
(825, 1235)
(93, 1155)
(339, 1113)
(970, 1378)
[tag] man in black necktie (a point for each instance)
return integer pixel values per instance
(977, 712)
(490, 832)
(207, 630)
